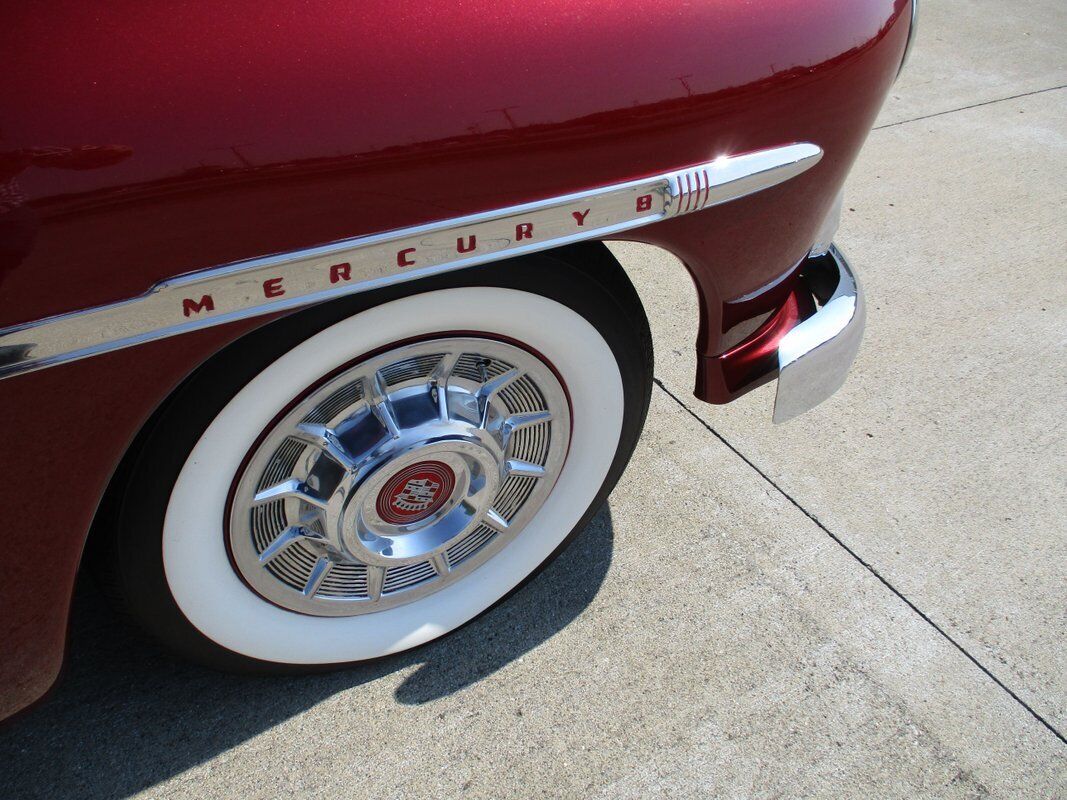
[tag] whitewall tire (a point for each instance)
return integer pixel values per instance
(213, 599)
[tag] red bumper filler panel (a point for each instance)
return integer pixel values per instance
(809, 343)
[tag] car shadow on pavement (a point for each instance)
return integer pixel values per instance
(126, 714)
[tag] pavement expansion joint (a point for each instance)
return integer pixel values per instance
(866, 565)
(973, 105)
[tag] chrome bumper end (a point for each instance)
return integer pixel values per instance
(814, 357)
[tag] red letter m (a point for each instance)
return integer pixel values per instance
(190, 307)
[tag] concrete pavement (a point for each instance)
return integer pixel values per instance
(943, 461)
(869, 600)
(738, 651)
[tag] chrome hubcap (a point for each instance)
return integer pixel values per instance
(398, 476)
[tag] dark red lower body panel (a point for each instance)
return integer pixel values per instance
(65, 431)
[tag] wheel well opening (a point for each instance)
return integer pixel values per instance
(593, 258)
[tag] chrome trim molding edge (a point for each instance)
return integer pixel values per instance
(814, 358)
(290, 280)
(912, 33)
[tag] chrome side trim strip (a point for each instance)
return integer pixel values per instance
(289, 280)
(814, 358)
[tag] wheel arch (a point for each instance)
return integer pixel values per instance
(592, 258)
(615, 307)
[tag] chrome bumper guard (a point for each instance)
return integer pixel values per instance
(814, 357)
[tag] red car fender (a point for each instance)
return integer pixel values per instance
(245, 129)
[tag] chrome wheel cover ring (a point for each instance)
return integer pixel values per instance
(398, 476)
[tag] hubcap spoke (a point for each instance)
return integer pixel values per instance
(325, 439)
(289, 488)
(282, 541)
(318, 575)
(380, 405)
(524, 469)
(438, 383)
(439, 562)
(518, 421)
(375, 582)
(491, 387)
(495, 521)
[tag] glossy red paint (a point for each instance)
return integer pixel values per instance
(139, 141)
(255, 128)
(64, 432)
(754, 361)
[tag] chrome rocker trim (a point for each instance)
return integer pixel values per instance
(814, 357)
(290, 280)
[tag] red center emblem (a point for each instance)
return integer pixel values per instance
(415, 492)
